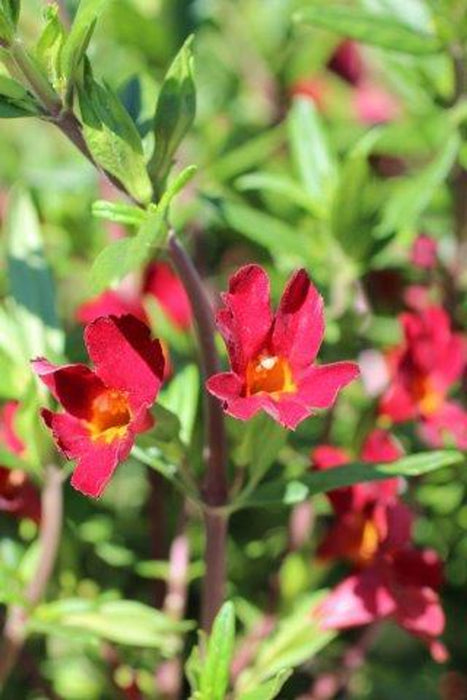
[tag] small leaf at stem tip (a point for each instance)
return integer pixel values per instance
(214, 678)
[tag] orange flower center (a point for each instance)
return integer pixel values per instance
(363, 540)
(270, 374)
(427, 397)
(110, 416)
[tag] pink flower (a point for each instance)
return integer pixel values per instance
(272, 354)
(423, 368)
(105, 407)
(374, 105)
(18, 495)
(424, 252)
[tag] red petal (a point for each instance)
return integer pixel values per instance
(380, 446)
(358, 600)
(448, 425)
(74, 386)
(419, 610)
(319, 386)
(125, 357)
(107, 303)
(397, 403)
(7, 428)
(418, 567)
(94, 469)
(246, 321)
(299, 323)
(164, 285)
(97, 460)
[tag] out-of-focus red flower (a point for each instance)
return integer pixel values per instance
(423, 368)
(354, 535)
(272, 354)
(347, 62)
(163, 284)
(417, 297)
(374, 105)
(424, 252)
(159, 281)
(18, 495)
(105, 407)
(391, 579)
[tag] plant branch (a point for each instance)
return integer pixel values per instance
(14, 631)
(215, 484)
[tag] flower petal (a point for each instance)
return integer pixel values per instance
(125, 357)
(419, 610)
(246, 320)
(163, 284)
(74, 386)
(299, 323)
(319, 385)
(448, 425)
(358, 600)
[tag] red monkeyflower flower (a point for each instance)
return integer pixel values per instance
(423, 368)
(159, 281)
(391, 579)
(272, 354)
(18, 495)
(105, 407)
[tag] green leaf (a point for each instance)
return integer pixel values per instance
(297, 639)
(15, 101)
(273, 234)
(214, 679)
(310, 150)
(348, 208)
(80, 35)
(30, 281)
(414, 194)
(181, 396)
(370, 28)
(49, 49)
(124, 622)
(127, 254)
(175, 113)
(11, 8)
(118, 212)
(112, 137)
(11, 461)
(269, 689)
(281, 185)
(279, 492)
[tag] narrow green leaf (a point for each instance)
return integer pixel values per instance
(118, 212)
(269, 689)
(175, 113)
(214, 678)
(124, 622)
(49, 48)
(370, 28)
(278, 492)
(348, 208)
(11, 461)
(310, 151)
(80, 35)
(31, 285)
(414, 194)
(281, 185)
(15, 101)
(273, 234)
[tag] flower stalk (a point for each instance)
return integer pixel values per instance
(14, 632)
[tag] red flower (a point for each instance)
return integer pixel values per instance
(374, 105)
(107, 406)
(18, 495)
(159, 282)
(372, 531)
(354, 535)
(429, 361)
(271, 355)
(424, 252)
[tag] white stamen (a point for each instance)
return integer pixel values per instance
(268, 362)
